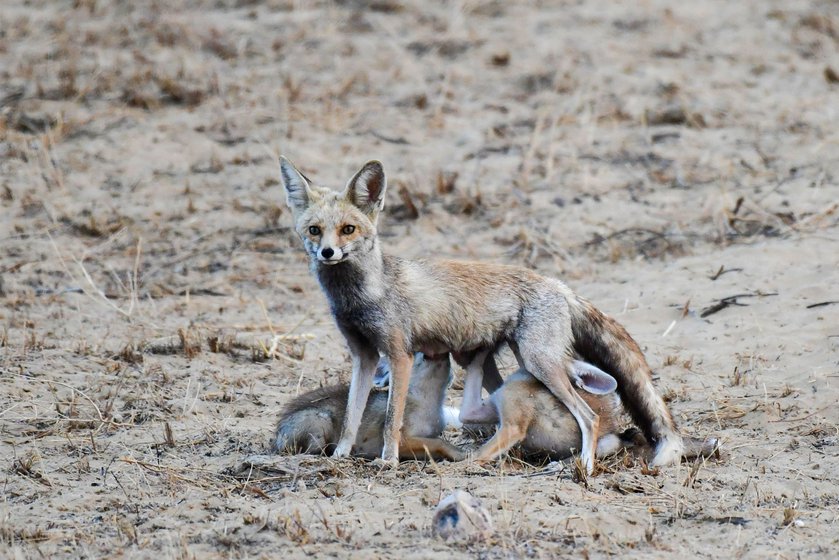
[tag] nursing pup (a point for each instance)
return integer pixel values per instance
(311, 423)
(531, 417)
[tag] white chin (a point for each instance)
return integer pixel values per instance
(329, 263)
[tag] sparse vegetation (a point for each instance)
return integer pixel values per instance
(674, 163)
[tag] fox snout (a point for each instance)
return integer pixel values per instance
(325, 249)
(330, 255)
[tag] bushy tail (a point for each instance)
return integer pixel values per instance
(602, 341)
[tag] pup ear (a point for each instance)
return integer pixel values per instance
(296, 186)
(366, 190)
(592, 379)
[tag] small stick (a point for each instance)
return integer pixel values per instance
(724, 270)
(729, 301)
(822, 304)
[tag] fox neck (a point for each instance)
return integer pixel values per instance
(354, 282)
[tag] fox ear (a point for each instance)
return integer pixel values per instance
(366, 189)
(592, 379)
(296, 186)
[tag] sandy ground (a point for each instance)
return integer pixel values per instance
(660, 157)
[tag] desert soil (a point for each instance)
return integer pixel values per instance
(157, 311)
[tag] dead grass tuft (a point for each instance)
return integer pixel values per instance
(31, 466)
(190, 342)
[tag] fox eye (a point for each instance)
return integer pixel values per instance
(314, 230)
(347, 229)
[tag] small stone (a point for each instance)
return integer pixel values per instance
(460, 516)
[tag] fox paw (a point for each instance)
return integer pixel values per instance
(383, 464)
(342, 450)
(669, 451)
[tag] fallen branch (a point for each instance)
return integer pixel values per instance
(730, 301)
(821, 304)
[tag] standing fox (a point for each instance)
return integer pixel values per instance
(395, 306)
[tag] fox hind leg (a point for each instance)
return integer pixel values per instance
(555, 375)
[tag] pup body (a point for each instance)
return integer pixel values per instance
(397, 306)
(311, 423)
(533, 418)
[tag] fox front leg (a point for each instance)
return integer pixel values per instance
(401, 364)
(364, 360)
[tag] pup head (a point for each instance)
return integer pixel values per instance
(336, 226)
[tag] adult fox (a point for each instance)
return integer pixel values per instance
(396, 306)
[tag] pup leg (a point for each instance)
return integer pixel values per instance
(420, 447)
(515, 409)
(364, 360)
(382, 377)
(401, 364)
(451, 417)
(505, 437)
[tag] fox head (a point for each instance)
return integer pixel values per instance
(336, 226)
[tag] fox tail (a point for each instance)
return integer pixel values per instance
(602, 341)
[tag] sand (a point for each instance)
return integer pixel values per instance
(157, 309)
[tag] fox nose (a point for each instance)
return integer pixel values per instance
(327, 252)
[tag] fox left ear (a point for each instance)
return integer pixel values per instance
(366, 189)
(592, 379)
(296, 186)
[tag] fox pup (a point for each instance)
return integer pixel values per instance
(529, 415)
(311, 423)
(397, 306)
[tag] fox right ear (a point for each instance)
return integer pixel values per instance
(592, 379)
(296, 186)
(366, 190)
